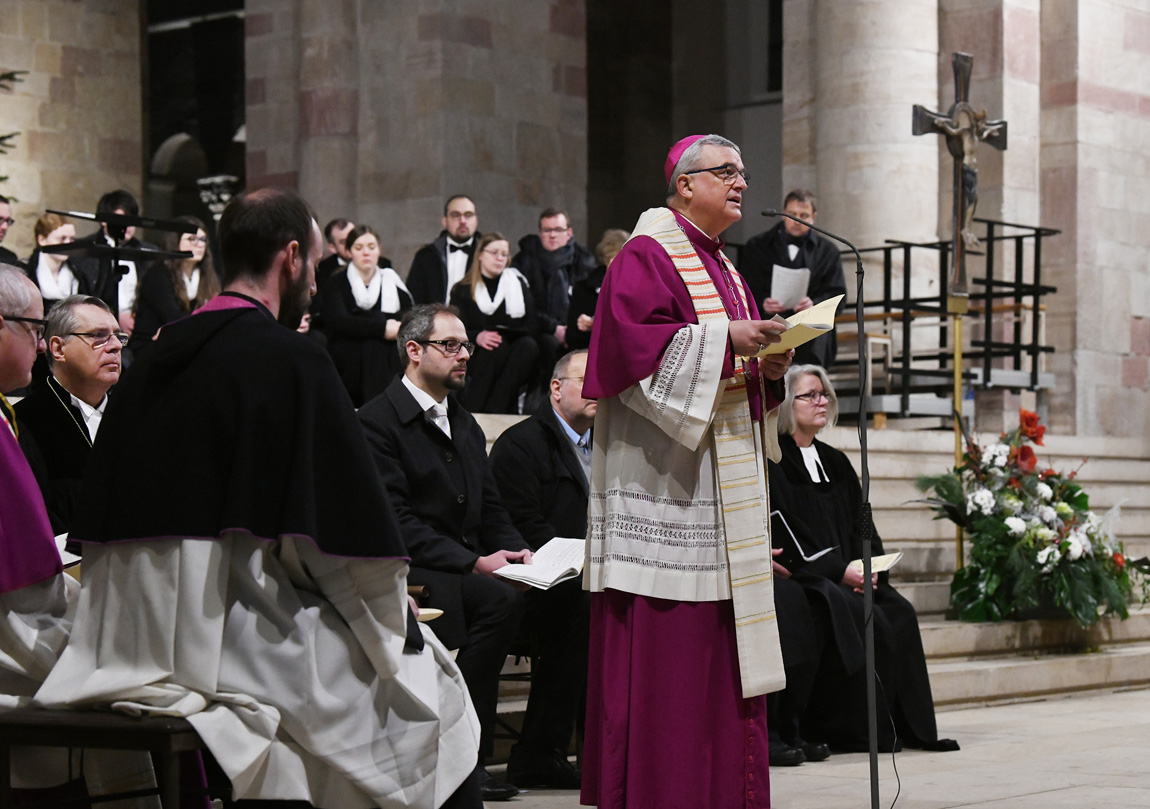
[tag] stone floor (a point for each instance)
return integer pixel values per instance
(1085, 752)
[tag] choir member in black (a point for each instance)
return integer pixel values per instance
(53, 273)
(793, 245)
(818, 502)
(494, 302)
(363, 305)
(175, 287)
(585, 292)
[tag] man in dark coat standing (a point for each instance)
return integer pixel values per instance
(791, 245)
(542, 468)
(440, 265)
(432, 456)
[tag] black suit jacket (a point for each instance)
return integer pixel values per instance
(540, 479)
(102, 278)
(757, 262)
(54, 437)
(444, 495)
(427, 278)
(8, 257)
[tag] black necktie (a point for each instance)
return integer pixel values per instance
(451, 248)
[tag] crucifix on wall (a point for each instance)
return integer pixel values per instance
(963, 128)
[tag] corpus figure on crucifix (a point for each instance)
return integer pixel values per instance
(964, 128)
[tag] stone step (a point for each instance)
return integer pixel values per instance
(930, 598)
(968, 682)
(951, 639)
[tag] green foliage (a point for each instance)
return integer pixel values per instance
(1033, 539)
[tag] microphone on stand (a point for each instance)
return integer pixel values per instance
(866, 524)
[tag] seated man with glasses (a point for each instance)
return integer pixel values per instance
(59, 420)
(432, 456)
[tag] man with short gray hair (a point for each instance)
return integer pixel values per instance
(684, 644)
(60, 419)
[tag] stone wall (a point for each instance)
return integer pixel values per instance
(378, 110)
(78, 109)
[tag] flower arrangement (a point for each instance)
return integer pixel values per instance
(1033, 537)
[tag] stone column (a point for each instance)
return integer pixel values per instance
(487, 100)
(1004, 38)
(272, 96)
(874, 61)
(329, 74)
(1096, 188)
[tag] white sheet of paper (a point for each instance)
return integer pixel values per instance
(789, 286)
(559, 559)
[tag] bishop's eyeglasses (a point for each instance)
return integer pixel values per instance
(726, 172)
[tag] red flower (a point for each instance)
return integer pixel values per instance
(1048, 473)
(1014, 483)
(1025, 460)
(1028, 425)
(1119, 560)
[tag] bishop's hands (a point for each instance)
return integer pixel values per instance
(749, 337)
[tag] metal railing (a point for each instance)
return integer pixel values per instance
(993, 298)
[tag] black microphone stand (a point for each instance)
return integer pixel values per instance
(866, 523)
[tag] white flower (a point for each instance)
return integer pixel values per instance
(1043, 533)
(1079, 545)
(981, 500)
(1016, 526)
(1048, 515)
(996, 455)
(1048, 557)
(1044, 491)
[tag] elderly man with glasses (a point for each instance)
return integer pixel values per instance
(684, 644)
(432, 456)
(60, 418)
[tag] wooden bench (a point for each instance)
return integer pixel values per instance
(164, 737)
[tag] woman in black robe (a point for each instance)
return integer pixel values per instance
(495, 305)
(362, 308)
(818, 501)
(174, 288)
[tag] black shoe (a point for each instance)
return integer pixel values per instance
(548, 769)
(783, 755)
(814, 751)
(492, 790)
(937, 746)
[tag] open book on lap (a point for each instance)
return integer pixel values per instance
(557, 561)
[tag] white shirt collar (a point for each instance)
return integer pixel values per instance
(424, 399)
(92, 415)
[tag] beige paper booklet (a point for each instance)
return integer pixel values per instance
(880, 564)
(805, 326)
